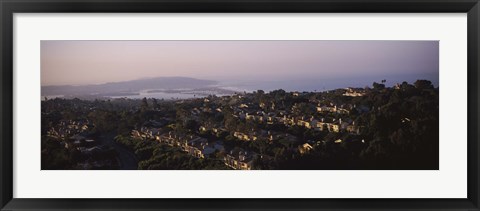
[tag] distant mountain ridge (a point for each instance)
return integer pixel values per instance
(167, 83)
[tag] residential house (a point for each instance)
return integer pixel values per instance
(353, 93)
(198, 147)
(354, 129)
(239, 159)
(305, 148)
(241, 136)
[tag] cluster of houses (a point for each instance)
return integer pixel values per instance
(350, 92)
(193, 145)
(246, 110)
(249, 112)
(69, 128)
(201, 148)
(245, 137)
(74, 134)
(198, 147)
(332, 109)
(323, 124)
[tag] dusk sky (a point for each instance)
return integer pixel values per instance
(94, 62)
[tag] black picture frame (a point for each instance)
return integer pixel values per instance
(9, 7)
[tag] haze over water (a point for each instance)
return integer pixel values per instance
(243, 65)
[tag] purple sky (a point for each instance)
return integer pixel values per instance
(93, 62)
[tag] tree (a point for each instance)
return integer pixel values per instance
(378, 86)
(191, 125)
(154, 104)
(423, 84)
(144, 104)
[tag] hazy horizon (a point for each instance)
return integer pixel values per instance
(346, 63)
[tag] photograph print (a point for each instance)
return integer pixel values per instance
(239, 105)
